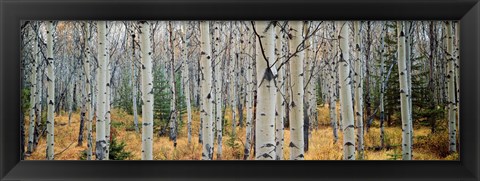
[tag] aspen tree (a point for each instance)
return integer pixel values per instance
(346, 93)
(186, 81)
(50, 92)
(173, 109)
(86, 67)
(249, 102)
(107, 104)
(217, 61)
(134, 83)
(457, 67)
(358, 81)
(402, 72)
(101, 144)
(206, 91)
(452, 129)
(332, 89)
(147, 92)
(279, 115)
(265, 112)
(296, 105)
(33, 90)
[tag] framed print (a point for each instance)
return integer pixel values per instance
(192, 90)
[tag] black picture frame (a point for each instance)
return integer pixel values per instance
(12, 12)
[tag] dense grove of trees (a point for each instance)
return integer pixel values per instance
(272, 75)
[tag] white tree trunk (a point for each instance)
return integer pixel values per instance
(333, 91)
(452, 110)
(101, 144)
(296, 105)
(217, 65)
(33, 92)
(86, 66)
(147, 92)
(249, 102)
(402, 72)
(358, 89)
(346, 92)
(186, 82)
(173, 101)
(457, 67)
(50, 92)
(134, 83)
(107, 105)
(265, 114)
(206, 91)
(280, 111)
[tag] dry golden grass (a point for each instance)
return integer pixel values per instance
(426, 146)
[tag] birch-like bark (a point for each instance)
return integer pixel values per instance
(101, 144)
(86, 66)
(38, 107)
(50, 92)
(402, 72)
(296, 105)
(173, 109)
(346, 92)
(265, 113)
(107, 104)
(217, 63)
(333, 91)
(249, 103)
(452, 110)
(186, 82)
(33, 92)
(147, 92)
(70, 98)
(206, 91)
(134, 84)
(279, 109)
(358, 81)
(233, 80)
(457, 67)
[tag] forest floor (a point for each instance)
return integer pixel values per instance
(427, 145)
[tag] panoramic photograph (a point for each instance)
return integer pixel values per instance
(240, 90)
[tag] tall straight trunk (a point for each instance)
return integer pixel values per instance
(134, 84)
(457, 67)
(86, 67)
(332, 89)
(173, 101)
(33, 92)
(233, 80)
(402, 72)
(217, 65)
(39, 95)
(107, 105)
(382, 89)
(408, 52)
(186, 82)
(70, 98)
(346, 93)
(249, 102)
(452, 110)
(147, 92)
(206, 90)
(279, 115)
(101, 144)
(83, 110)
(296, 105)
(50, 92)
(358, 81)
(307, 94)
(265, 113)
